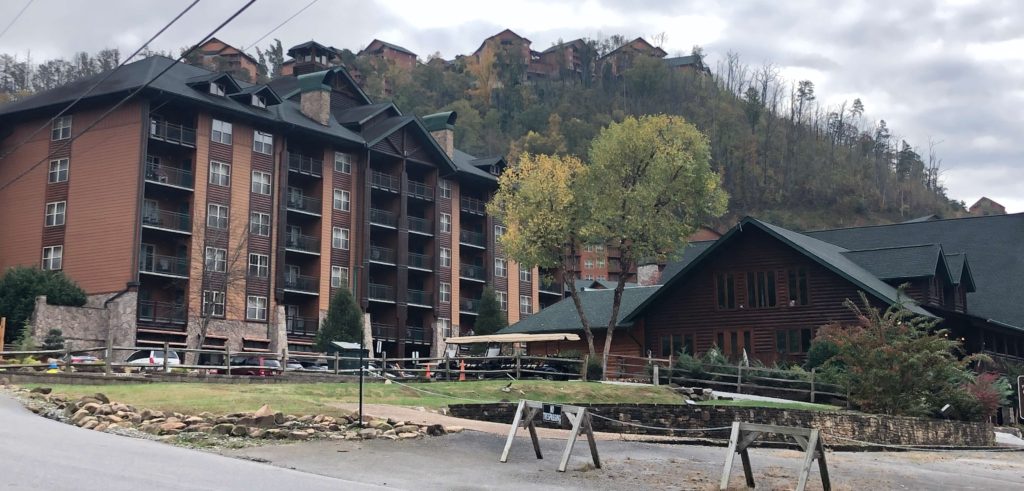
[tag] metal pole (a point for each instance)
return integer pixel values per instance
(361, 384)
(165, 356)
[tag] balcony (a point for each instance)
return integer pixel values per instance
(424, 262)
(383, 218)
(167, 220)
(381, 293)
(419, 335)
(385, 182)
(170, 176)
(160, 265)
(384, 331)
(304, 165)
(302, 243)
(382, 255)
(421, 226)
(177, 134)
(421, 191)
(472, 272)
(469, 305)
(303, 204)
(301, 326)
(473, 205)
(551, 287)
(420, 297)
(301, 284)
(162, 312)
(471, 238)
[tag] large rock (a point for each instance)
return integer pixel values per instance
(239, 430)
(79, 415)
(223, 429)
(263, 411)
(40, 390)
(299, 435)
(92, 407)
(435, 430)
(407, 429)
(99, 396)
(454, 429)
(368, 434)
(171, 427)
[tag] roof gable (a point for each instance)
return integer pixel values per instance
(376, 133)
(903, 262)
(377, 44)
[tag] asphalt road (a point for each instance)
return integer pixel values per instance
(38, 453)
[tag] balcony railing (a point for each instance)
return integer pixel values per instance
(382, 254)
(384, 181)
(383, 217)
(548, 286)
(384, 331)
(301, 283)
(381, 292)
(472, 272)
(419, 335)
(421, 261)
(172, 132)
(181, 222)
(162, 312)
(173, 176)
(421, 225)
(421, 190)
(420, 297)
(305, 243)
(473, 205)
(301, 202)
(301, 326)
(472, 238)
(305, 165)
(166, 265)
(469, 305)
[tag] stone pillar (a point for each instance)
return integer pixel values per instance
(278, 332)
(368, 334)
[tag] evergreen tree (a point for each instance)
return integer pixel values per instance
(489, 318)
(344, 321)
(20, 286)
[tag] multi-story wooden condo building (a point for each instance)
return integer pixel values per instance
(206, 200)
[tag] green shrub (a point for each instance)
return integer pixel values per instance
(821, 351)
(19, 287)
(691, 366)
(54, 340)
(595, 371)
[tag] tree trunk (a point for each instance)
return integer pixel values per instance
(625, 265)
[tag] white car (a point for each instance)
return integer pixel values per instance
(153, 358)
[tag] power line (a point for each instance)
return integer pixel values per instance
(308, 5)
(134, 92)
(98, 82)
(16, 17)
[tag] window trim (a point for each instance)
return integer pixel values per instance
(501, 272)
(60, 209)
(210, 298)
(344, 198)
(341, 274)
(345, 161)
(259, 145)
(67, 168)
(222, 178)
(446, 188)
(224, 134)
(261, 265)
(53, 254)
(259, 225)
(446, 259)
(340, 238)
(219, 259)
(525, 275)
(525, 305)
(249, 308)
(446, 223)
(444, 293)
(60, 129)
(268, 185)
(217, 216)
(502, 301)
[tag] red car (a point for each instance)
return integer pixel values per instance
(258, 366)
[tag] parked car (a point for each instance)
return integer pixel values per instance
(294, 365)
(259, 366)
(83, 363)
(152, 359)
(310, 366)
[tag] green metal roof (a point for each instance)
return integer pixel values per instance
(597, 304)
(440, 121)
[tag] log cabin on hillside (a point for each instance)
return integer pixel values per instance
(765, 290)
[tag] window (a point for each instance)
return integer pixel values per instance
(601, 277)
(446, 257)
(446, 188)
(339, 238)
(259, 101)
(262, 142)
(259, 265)
(525, 305)
(600, 263)
(53, 258)
(216, 259)
(58, 170)
(588, 248)
(499, 230)
(220, 173)
(259, 224)
(446, 223)
(446, 327)
(216, 89)
(798, 287)
(503, 301)
(589, 277)
(673, 344)
(256, 308)
(342, 200)
(525, 275)
(500, 267)
(446, 292)
(339, 276)
(343, 162)
(260, 182)
(61, 128)
(588, 264)
(725, 283)
(599, 247)
(213, 303)
(761, 289)
(221, 132)
(55, 213)
(217, 216)
(793, 341)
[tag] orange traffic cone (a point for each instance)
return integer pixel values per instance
(428, 371)
(462, 370)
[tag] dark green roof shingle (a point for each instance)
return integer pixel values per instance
(597, 304)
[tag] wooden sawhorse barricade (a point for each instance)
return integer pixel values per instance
(743, 434)
(578, 417)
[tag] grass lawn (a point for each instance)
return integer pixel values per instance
(322, 398)
(806, 406)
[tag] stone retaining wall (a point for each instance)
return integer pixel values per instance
(892, 430)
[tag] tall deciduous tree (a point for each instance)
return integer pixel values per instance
(489, 317)
(344, 321)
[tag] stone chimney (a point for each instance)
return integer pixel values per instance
(648, 275)
(442, 127)
(315, 97)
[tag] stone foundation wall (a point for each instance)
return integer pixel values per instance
(89, 326)
(892, 430)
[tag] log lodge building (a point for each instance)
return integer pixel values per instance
(765, 290)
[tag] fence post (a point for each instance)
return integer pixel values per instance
(739, 379)
(655, 376)
(166, 349)
(108, 354)
(812, 383)
(335, 362)
(518, 367)
(227, 359)
(583, 368)
(383, 364)
(669, 369)
(67, 360)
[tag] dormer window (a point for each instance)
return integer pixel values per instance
(259, 101)
(495, 170)
(216, 89)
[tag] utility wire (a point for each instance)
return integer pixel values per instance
(16, 17)
(97, 84)
(134, 92)
(308, 5)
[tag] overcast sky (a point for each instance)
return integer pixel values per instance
(947, 71)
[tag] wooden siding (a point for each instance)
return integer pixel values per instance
(22, 202)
